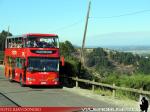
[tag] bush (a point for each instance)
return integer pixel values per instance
(136, 81)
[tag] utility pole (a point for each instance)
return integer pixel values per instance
(84, 36)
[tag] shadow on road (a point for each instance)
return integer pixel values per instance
(6, 101)
(24, 91)
(45, 87)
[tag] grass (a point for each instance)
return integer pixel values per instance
(136, 81)
(127, 95)
(103, 92)
(118, 94)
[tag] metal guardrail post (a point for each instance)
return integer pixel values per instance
(114, 91)
(77, 84)
(141, 89)
(93, 86)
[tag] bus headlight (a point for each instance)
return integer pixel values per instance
(56, 79)
(30, 79)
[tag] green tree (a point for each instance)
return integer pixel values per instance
(98, 58)
(66, 48)
(3, 36)
(144, 65)
(71, 62)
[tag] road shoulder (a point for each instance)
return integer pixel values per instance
(108, 99)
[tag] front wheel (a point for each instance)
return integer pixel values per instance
(21, 81)
(59, 86)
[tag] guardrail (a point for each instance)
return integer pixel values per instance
(113, 87)
(1, 62)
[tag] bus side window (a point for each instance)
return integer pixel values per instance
(24, 42)
(10, 61)
(23, 63)
(7, 60)
(9, 43)
(13, 64)
(13, 43)
(19, 42)
(18, 63)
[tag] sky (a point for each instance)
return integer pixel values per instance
(111, 22)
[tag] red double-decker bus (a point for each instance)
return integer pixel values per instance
(32, 59)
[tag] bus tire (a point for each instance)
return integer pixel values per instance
(10, 78)
(59, 86)
(21, 81)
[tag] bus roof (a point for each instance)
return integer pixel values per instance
(34, 34)
(40, 34)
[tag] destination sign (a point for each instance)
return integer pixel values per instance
(42, 51)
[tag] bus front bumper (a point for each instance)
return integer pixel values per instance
(30, 81)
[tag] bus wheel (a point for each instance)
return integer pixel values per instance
(59, 86)
(10, 78)
(21, 81)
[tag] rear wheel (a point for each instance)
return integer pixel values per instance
(21, 81)
(10, 77)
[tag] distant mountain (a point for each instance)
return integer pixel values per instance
(128, 48)
(133, 49)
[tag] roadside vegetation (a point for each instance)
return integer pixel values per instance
(119, 68)
(73, 65)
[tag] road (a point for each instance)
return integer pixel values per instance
(40, 96)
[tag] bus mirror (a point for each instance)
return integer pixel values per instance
(29, 69)
(62, 61)
(23, 64)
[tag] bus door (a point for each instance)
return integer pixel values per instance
(19, 69)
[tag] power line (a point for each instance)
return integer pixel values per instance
(121, 15)
(106, 17)
(68, 26)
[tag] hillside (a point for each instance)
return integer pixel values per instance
(106, 60)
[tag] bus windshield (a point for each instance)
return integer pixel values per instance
(43, 64)
(42, 42)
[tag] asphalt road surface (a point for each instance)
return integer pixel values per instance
(11, 94)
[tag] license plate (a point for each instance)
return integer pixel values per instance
(43, 82)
